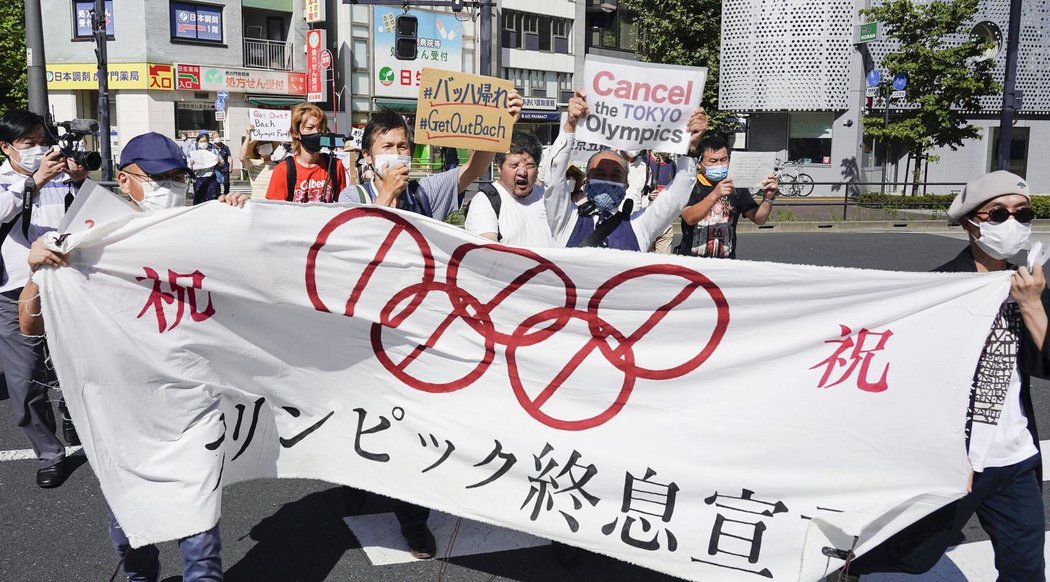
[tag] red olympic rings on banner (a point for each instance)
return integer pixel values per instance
(615, 346)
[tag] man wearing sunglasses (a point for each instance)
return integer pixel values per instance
(995, 211)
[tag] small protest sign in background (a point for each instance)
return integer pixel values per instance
(270, 124)
(464, 111)
(636, 106)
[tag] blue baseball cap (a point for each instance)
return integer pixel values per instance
(154, 153)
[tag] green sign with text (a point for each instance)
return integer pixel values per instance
(867, 32)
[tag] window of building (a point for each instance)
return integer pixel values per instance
(618, 31)
(200, 22)
(561, 35)
(809, 137)
(1018, 160)
(82, 25)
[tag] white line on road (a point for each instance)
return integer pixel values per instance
(27, 454)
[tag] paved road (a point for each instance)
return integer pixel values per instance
(297, 529)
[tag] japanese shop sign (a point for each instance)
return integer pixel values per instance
(635, 106)
(85, 76)
(196, 22)
(684, 415)
(270, 124)
(461, 110)
(204, 78)
(316, 43)
(85, 28)
(440, 46)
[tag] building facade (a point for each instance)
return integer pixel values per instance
(177, 67)
(793, 69)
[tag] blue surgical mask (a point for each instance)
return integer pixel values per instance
(716, 173)
(606, 195)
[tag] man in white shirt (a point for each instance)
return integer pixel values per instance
(38, 174)
(598, 222)
(511, 211)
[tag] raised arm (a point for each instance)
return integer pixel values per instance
(243, 155)
(481, 161)
(557, 200)
(654, 220)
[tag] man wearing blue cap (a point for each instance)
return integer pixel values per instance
(154, 173)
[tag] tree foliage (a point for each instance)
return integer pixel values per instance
(683, 32)
(13, 84)
(945, 78)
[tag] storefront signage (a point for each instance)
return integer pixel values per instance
(84, 27)
(162, 77)
(205, 78)
(85, 76)
(540, 103)
(314, 11)
(316, 43)
(439, 43)
(196, 22)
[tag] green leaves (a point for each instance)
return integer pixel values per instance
(13, 85)
(944, 79)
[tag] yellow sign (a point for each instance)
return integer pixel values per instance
(461, 110)
(121, 76)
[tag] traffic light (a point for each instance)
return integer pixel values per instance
(405, 40)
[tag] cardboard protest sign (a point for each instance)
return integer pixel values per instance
(636, 106)
(270, 124)
(750, 169)
(464, 111)
(357, 134)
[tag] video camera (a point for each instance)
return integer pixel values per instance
(76, 130)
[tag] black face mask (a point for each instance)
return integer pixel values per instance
(311, 142)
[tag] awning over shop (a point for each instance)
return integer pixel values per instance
(274, 100)
(404, 105)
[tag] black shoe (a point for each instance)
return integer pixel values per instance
(421, 543)
(53, 476)
(69, 432)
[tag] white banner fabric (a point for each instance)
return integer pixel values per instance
(639, 106)
(709, 419)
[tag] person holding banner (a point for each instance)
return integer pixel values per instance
(598, 221)
(387, 146)
(1005, 490)
(709, 221)
(154, 173)
(307, 175)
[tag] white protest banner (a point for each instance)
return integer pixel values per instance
(635, 106)
(671, 412)
(270, 124)
(93, 205)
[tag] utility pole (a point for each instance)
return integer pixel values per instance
(1011, 101)
(884, 92)
(35, 59)
(98, 21)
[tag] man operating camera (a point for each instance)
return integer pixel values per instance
(37, 184)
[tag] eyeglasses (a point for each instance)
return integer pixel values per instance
(180, 178)
(1001, 214)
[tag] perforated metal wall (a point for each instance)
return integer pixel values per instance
(795, 54)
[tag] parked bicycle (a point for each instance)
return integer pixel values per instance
(793, 181)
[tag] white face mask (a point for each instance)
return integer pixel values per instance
(384, 161)
(161, 195)
(278, 153)
(1003, 240)
(571, 185)
(29, 159)
(264, 149)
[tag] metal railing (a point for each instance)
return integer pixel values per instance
(267, 54)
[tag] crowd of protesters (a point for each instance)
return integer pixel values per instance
(626, 200)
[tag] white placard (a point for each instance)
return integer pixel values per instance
(270, 124)
(636, 106)
(750, 169)
(568, 393)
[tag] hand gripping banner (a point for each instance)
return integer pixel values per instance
(709, 419)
